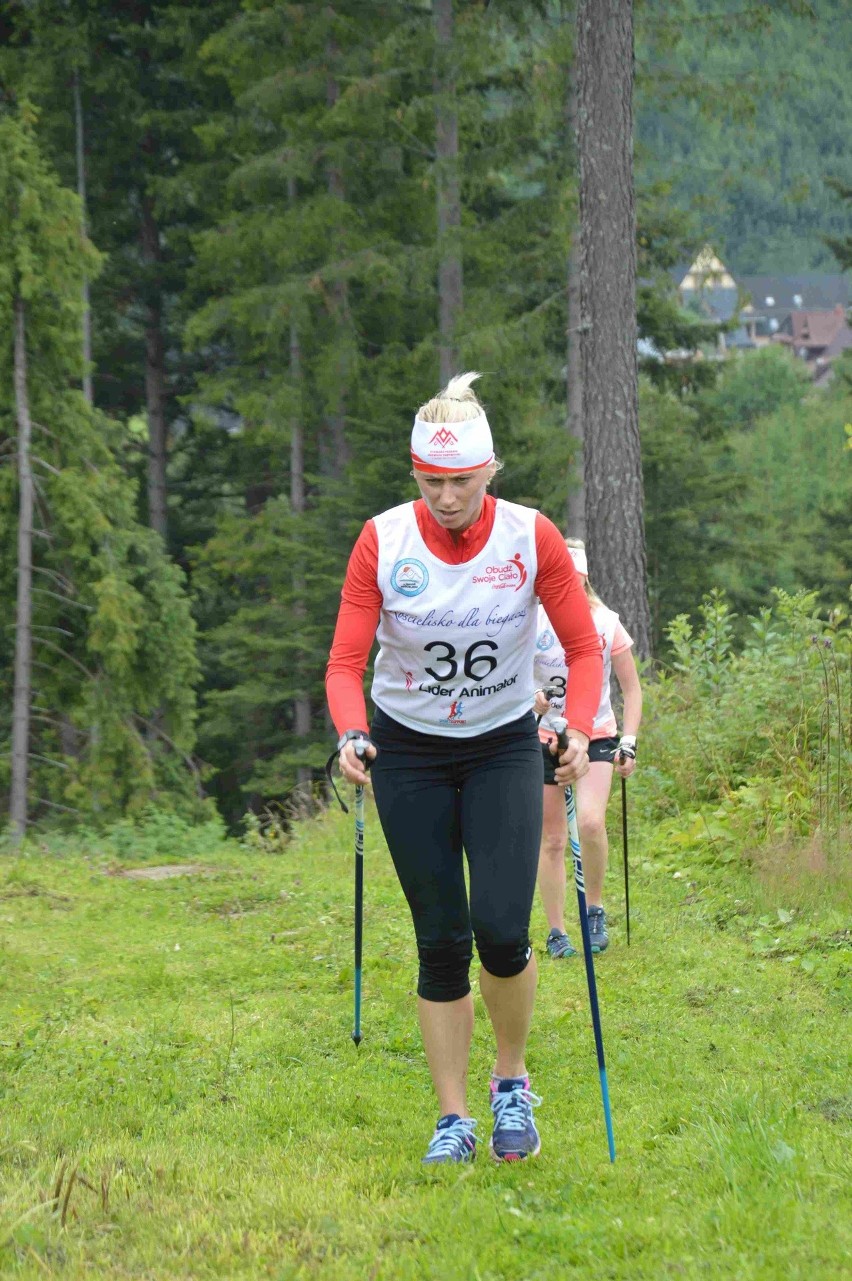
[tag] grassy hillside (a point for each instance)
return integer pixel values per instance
(181, 1097)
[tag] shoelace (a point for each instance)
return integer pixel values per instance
(508, 1115)
(448, 1142)
(559, 946)
(596, 922)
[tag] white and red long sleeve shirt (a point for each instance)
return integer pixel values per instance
(455, 615)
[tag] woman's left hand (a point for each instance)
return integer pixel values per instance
(574, 761)
(624, 765)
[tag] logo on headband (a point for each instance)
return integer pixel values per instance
(409, 577)
(444, 438)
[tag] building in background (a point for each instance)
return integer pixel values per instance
(807, 312)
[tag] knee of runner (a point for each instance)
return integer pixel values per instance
(444, 970)
(505, 960)
(592, 826)
(553, 846)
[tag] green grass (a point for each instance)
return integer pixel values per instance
(180, 1096)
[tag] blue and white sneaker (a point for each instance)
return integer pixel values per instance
(598, 936)
(453, 1140)
(559, 945)
(515, 1136)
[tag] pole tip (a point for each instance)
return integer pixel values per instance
(356, 1037)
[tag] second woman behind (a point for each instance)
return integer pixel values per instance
(606, 752)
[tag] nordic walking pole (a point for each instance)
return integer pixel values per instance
(361, 753)
(548, 691)
(361, 745)
(560, 726)
(624, 848)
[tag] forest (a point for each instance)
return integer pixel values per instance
(219, 290)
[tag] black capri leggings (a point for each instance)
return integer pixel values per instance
(439, 798)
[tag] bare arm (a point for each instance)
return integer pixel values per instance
(624, 666)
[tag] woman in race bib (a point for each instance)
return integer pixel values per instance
(606, 751)
(448, 584)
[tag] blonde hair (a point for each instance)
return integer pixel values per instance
(591, 594)
(457, 403)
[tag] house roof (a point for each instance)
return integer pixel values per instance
(813, 330)
(707, 271)
(811, 290)
(765, 295)
(842, 341)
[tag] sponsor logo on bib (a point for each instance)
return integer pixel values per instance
(454, 715)
(409, 577)
(545, 640)
(512, 573)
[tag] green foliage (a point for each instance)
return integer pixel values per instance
(142, 95)
(114, 647)
(751, 386)
(748, 484)
(754, 740)
(44, 256)
(788, 517)
(689, 485)
(262, 191)
(841, 246)
(746, 111)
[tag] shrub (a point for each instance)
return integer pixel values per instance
(752, 739)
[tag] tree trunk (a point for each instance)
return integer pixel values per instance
(613, 464)
(302, 703)
(155, 373)
(23, 617)
(447, 191)
(576, 504)
(81, 191)
(340, 451)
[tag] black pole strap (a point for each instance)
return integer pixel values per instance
(361, 745)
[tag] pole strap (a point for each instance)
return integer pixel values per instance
(361, 745)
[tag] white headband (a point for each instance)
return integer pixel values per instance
(440, 447)
(579, 558)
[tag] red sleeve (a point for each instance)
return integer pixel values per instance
(560, 590)
(357, 620)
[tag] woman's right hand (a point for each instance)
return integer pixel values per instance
(351, 767)
(541, 705)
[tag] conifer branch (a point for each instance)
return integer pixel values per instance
(64, 600)
(55, 805)
(64, 654)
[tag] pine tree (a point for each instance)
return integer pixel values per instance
(130, 75)
(104, 626)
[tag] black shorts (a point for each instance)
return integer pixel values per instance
(600, 749)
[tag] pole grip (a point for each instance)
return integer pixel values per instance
(560, 725)
(548, 691)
